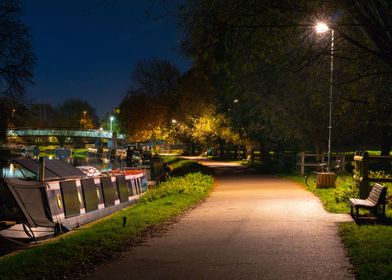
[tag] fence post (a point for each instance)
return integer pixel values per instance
(343, 163)
(302, 163)
(364, 175)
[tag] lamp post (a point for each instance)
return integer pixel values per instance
(111, 123)
(322, 28)
(83, 121)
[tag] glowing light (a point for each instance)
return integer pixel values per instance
(321, 27)
(111, 123)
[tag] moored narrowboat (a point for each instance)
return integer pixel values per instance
(54, 197)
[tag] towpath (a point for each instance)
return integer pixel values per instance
(251, 227)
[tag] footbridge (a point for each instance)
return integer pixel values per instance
(62, 132)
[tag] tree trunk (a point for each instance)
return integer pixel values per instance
(248, 152)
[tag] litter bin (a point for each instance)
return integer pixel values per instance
(326, 180)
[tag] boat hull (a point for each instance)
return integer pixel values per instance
(65, 204)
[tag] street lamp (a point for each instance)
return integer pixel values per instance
(111, 123)
(322, 28)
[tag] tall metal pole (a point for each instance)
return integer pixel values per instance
(111, 123)
(330, 104)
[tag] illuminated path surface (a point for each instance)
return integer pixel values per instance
(251, 227)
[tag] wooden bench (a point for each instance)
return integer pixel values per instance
(376, 198)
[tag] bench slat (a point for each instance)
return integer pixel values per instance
(376, 197)
(361, 202)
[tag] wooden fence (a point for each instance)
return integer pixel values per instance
(312, 161)
(230, 152)
(364, 163)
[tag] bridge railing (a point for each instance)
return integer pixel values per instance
(65, 132)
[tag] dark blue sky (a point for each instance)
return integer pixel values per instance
(88, 48)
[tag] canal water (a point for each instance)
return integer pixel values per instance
(102, 163)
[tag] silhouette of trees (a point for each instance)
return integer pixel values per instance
(145, 111)
(266, 56)
(16, 64)
(75, 113)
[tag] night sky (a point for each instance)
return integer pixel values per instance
(88, 48)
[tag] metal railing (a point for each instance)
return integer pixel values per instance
(65, 132)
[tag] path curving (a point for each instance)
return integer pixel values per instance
(251, 227)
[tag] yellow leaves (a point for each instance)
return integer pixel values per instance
(212, 128)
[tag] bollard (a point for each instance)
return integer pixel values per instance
(124, 221)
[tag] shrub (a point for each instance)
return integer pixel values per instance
(183, 167)
(345, 190)
(193, 183)
(383, 175)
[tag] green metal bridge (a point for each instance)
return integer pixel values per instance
(62, 132)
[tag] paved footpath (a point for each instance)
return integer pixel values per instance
(251, 227)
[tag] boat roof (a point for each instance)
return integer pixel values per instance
(55, 169)
(24, 201)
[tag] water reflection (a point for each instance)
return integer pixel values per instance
(103, 164)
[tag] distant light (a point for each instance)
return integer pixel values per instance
(111, 118)
(100, 128)
(235, 100)
(174, 121)
(321, 27)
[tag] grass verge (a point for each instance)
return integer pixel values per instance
(80, 250)
(370, 249)
(369, 246)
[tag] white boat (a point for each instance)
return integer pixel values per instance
(62, 198)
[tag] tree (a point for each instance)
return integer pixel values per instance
(146, 111)
(155, 77)
(267, 56)
(42, 115)
(141, 116)
(76, 113)
(212, 129)
(374, 18)
(16, 63)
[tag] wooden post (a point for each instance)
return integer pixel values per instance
(41, 169)
(302, 163)
(364, 176)
(343, 163)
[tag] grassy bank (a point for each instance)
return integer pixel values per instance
(369, 246)
(370, 249)
(81, 249)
